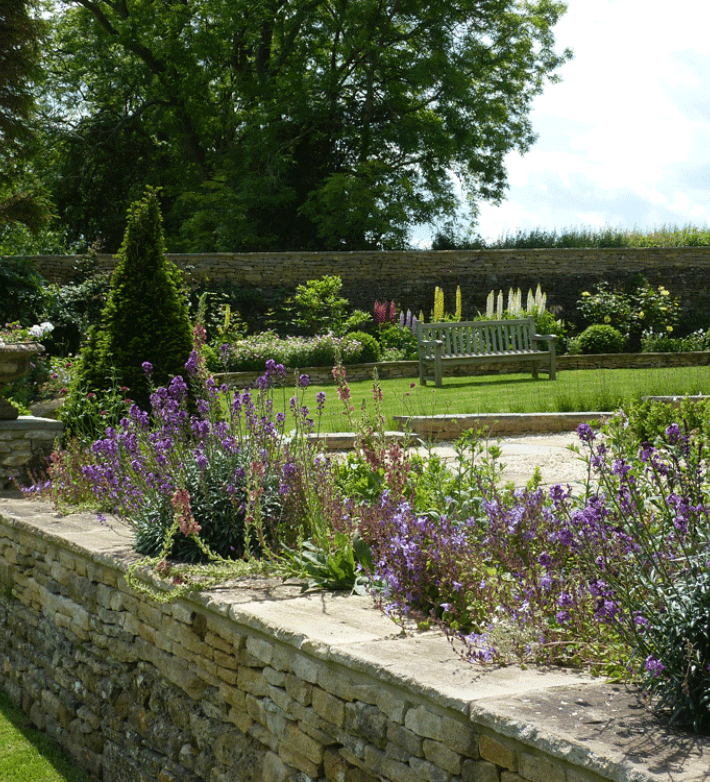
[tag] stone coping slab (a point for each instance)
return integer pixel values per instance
(603, 728)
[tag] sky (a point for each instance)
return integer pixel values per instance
(624, 138)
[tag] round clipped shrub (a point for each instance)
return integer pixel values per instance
(601, 338)
(370, 352)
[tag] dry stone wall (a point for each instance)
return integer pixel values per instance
(409, 277)
(25, 443)
(205, 691)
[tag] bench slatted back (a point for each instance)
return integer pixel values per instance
(480, 337)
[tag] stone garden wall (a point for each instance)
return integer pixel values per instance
(25, 443)
(254, 683)
(409, 277)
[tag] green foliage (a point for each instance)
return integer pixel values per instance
(86, 413)
(369, 347)
(679, 636)
(398, 344)
(665, 343)
(22, 292)
(290, 126)
(22, 200)
(251, 353)
(342, 562)
(318, 308)
(644, 308)
(218, 512)
(600, 338)
(145, 318)
(538, 238)
(648, 419)
(74, 307)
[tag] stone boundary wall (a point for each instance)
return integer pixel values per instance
(213, 689)
(409, 277)
(25, 443)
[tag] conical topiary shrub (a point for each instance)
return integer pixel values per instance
(146, 314)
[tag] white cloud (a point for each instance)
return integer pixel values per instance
(624, 139)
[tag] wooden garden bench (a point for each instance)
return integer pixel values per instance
(481, 342)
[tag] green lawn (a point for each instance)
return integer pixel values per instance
(577, 390)
(27, 754)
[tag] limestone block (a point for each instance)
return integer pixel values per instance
(539, 769)
(292, 757)
(331, 709)
(260, 648)
(274, 677)
(306, 668)
(429, 771)
(366, 721)
(294, 738)
(497, 752)
(442, 756)
(299, 690)
(407, 739)
(479, 771)
(274, 769)
(217, 642)
(250, 680)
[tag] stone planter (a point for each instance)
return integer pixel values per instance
(15, 363)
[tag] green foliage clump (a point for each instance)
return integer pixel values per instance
(146, 316)
(648, 419)
(22, 291)
(74, 307)
(219, 513)
(570, 238)
(398, 344)
(600, 338)
(369, 347)
(665, 343)
(318, 308)
(251, 353)
(644, 308)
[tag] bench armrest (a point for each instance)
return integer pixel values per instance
(545, 337)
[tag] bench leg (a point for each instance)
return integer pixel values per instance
(438, 373)
(534, 370)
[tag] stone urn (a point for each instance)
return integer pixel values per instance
(15, 360)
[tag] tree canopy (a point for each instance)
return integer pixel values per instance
(290, 124)
(20, 39)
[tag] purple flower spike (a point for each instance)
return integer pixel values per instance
(147, 368)
(654, 666)
(673, 433)
(586, 433)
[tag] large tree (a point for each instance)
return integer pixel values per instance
(20, 45)
(289, 124)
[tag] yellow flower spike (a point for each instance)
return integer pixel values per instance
(438, 304)
(458, 302)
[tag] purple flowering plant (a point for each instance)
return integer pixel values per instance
(613, 575)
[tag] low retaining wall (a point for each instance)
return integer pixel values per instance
(25, 443)
(260, 683)
(388, 370)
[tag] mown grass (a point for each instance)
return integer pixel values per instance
(27, 754)
(574, 390)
